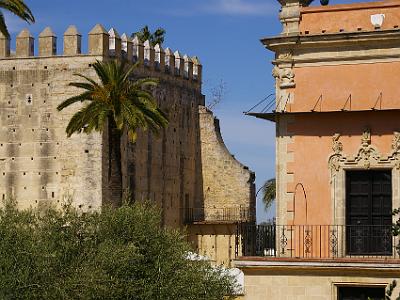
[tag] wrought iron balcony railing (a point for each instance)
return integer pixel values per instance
(316, 241)
(231, 214)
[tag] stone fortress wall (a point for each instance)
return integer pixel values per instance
(41, 166)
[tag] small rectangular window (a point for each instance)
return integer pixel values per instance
(361, 293)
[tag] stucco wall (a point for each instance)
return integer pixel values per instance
(334, 18)
(312, 145)
(367, 84)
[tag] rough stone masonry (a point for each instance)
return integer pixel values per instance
(40, 166)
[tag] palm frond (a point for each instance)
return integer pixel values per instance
(90, 80)
(157, 37)
(141, 83)
(119, 96)
(87, 119)
(80, 98)
(3, 26)
(269, 192)
(18, 8)
(83, 85)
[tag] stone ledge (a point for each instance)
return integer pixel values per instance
(304, 263)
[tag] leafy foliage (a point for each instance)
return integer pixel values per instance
(118, 98)
(18, 8)
(117, 254)
(268, 192)
(157, 37)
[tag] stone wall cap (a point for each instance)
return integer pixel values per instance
(147, 44)
(136, 40)
(98, 29)
(196, 60)
(125, 38)
(24, 34)
(114, 33)
(177, 54)
(158, 48)
(169, 52)
(72, 30)
(47, 32)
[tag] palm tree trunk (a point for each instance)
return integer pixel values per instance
(114, 164)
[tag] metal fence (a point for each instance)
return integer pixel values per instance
(232, 214)
(316, 241)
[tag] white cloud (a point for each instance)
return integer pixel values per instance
(239, 7)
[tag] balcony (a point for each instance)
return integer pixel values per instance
(221, 215)
(317, 241)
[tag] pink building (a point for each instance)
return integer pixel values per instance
(337, 116)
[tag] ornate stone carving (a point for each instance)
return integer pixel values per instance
(367, 155)
(275, 72)
(366, 138)
(396, 148)
(337, 147)
(286, 56)
(284, 76)
(366, 152)
(396, 142)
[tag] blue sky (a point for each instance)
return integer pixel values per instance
(224, 34)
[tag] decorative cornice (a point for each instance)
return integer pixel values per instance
(347, 44)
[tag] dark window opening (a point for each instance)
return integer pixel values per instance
(369, 212)
(361, 293)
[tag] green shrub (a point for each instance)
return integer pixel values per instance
(117, 254)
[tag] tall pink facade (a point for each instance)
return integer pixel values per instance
(337, 117)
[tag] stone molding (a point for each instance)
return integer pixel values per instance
(336, 48)
(367, 155)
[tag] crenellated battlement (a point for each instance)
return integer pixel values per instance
(108, 45)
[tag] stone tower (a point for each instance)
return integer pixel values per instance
(40, 166)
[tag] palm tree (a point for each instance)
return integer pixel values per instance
(116, 104)
(18, 8)
(157, 37)
(268, 192)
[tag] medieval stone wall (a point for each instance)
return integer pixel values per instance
(227, 184)
(167, 168)
(175, 169)
(39, 164)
